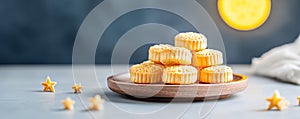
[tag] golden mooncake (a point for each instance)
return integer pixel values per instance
(146, 72)
(176, 56)
(207, 57)
(180, 74)
(155, 51)
(216, 74)
(192, 41)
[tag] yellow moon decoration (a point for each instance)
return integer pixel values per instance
(244, 14)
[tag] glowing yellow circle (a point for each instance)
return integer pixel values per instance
(244, 14)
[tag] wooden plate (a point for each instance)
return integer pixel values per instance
(122, 84)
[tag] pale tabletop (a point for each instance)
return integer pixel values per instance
(21, 96)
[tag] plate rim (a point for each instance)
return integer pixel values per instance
(243, 83)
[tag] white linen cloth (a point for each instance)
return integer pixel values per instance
(282, 63)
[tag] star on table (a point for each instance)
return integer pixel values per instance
(48, 85)
(96, 102)
(68, 103)
(276, 101)
(298, 100)
(77, 88)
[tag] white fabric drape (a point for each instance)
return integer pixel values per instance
(282, 63)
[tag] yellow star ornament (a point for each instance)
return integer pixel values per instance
(77, 88)
(276, 101)
(48, 85)
(298, 100)
(68, 103)
(96, 102)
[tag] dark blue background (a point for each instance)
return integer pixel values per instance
(43, 31)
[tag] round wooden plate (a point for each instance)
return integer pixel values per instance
(122, 84)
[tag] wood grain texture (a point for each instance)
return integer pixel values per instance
(121, 84)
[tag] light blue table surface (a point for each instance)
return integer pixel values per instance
(21, 96)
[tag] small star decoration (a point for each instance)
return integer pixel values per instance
(48, 85)
(276, 101)
(77, 88)
(96, 102)
(68, 103)
(298, 100)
